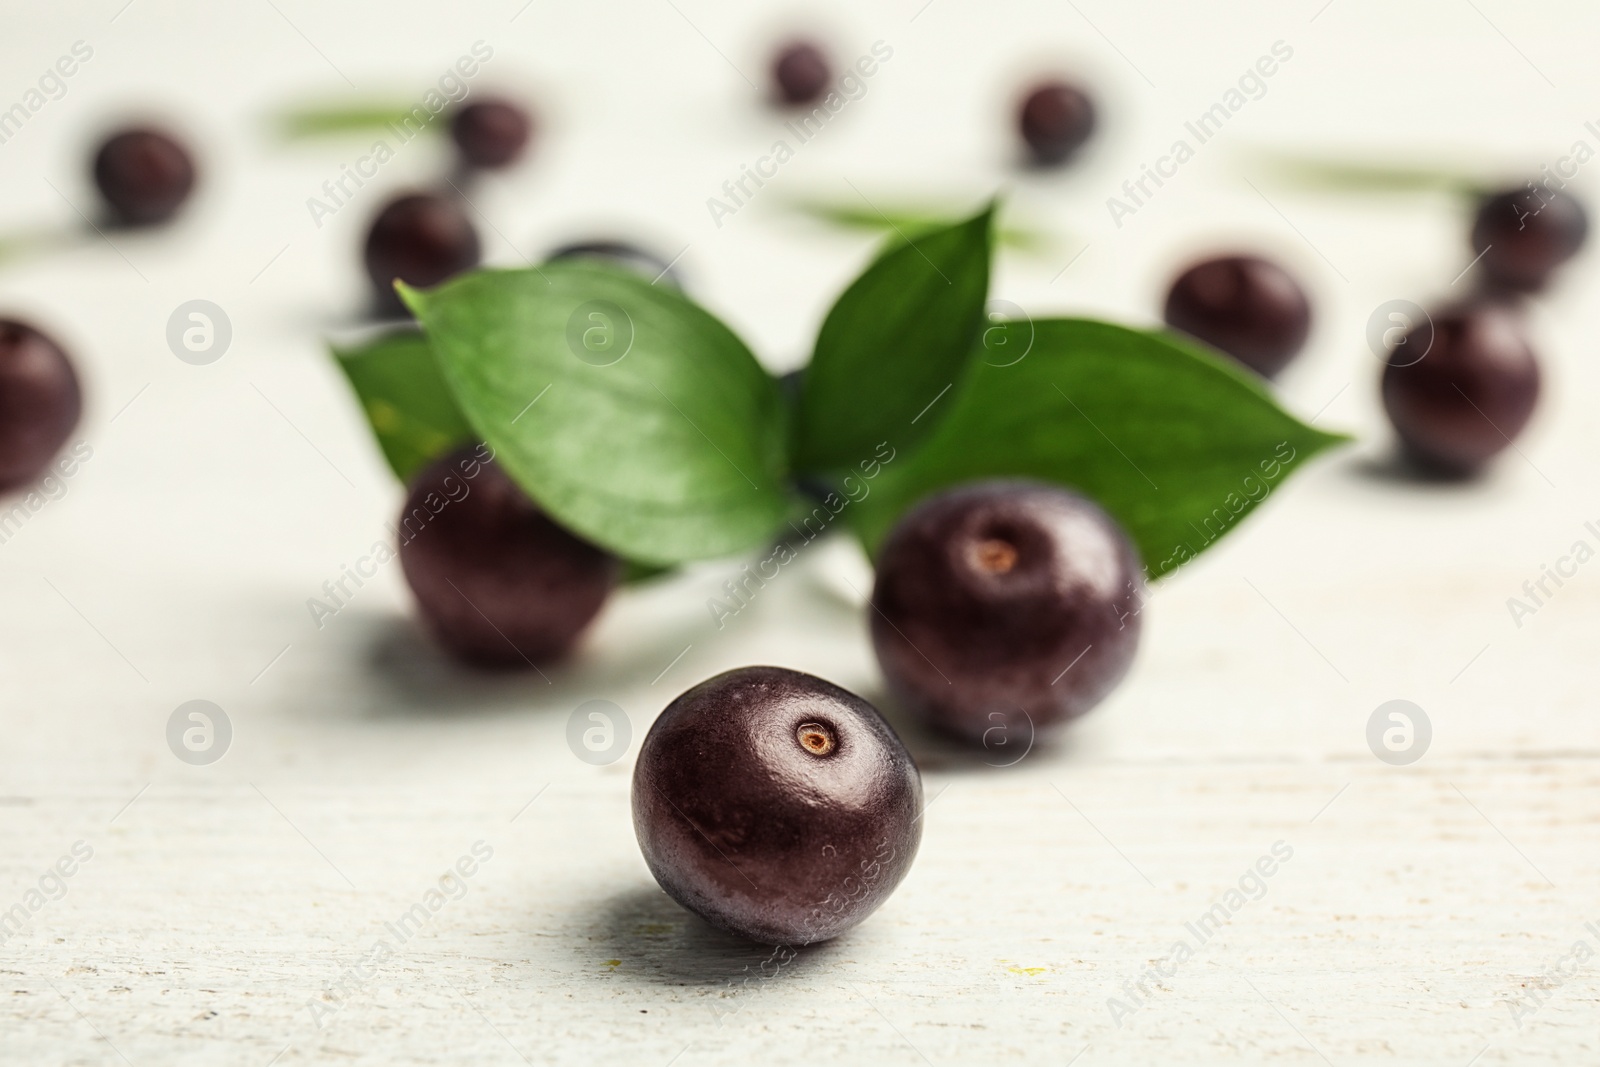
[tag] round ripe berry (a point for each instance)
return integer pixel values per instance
(144, 175)
(491, 133)
(1003, 608)
(39, 402)
(649, 266)
(1469, 395)
(499, 584)
(1247, 306)
(1524, 234)
(776, 805)
(1055, 120)
(421, 239)
(801, 73)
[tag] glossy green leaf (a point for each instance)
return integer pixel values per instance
(633, 416)
(895, 342)
(1176, 442)
(408, 405)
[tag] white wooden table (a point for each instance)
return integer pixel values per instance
(234, 912)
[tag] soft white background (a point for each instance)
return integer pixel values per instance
(1418, 904)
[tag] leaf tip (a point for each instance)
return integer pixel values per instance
(414, 299)
(990, 210)
(1333, 439)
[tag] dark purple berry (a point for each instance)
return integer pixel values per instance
(421, 239)
(1002, 608)
(1471, 392)
(1247, 306)
(649, 266)
(801, 73)
(776, 805)
(1055, 120)
(491, 133)
(1524, 234)
(39, 402)
(498, 582)
(144, 175)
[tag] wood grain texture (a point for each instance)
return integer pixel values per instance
(233, 913)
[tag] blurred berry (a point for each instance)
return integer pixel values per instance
(801, 73)
(499, 584)
(39, 402)
(1246, 306)
(1524, 234)
(491, 133)
(144, 175)
(1055, 120)
(1469, 395)
(421, 239)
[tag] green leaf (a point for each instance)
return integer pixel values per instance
(323, 120)
(627, 412)
(407, 402)
(1340, 175)
(25, 243)
(916, 220)
(635, 573)
(1174, 441)
(896, 340)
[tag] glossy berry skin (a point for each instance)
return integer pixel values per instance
(776, 806)
(1471, 393)
(1003, 608)
(144, 175)
(421, 239)
(491, 133)
(499, 584)
(649, 266)
(801, 73)
(1247, 306)
(1523, 235)
(1055, 120)
(39, 402)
